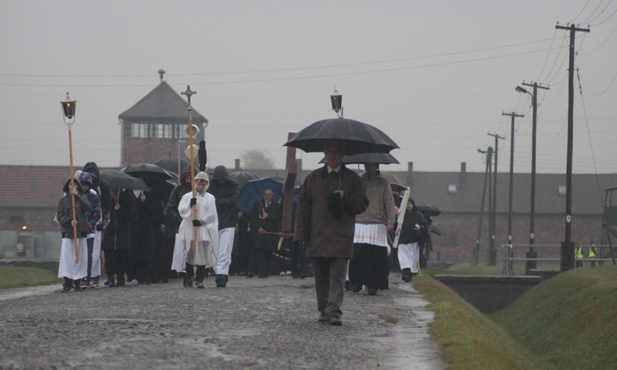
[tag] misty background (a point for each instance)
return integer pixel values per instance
(435, 76)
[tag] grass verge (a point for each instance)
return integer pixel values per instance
(468, 339)
(22, 276)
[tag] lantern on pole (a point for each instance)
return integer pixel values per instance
(337, 102)
(68, 111)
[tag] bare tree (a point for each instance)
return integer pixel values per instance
(257, 159)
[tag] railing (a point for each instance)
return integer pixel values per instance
(515, 260)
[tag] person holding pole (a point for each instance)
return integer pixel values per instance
(72, 212)
(199, 218)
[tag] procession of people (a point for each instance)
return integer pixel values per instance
(150, 231)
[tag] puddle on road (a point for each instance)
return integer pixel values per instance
(30, 291)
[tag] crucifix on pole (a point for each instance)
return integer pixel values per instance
(188, 93)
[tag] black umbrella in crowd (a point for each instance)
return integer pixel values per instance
(242, 177)
(357, 137)
(171, 164)
(121, 180)
(364, 158)
(147, 169)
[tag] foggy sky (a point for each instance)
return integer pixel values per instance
(435, 76)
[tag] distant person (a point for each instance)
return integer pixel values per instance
(173, 250)
(413, 232)
(226, 192)
(71, 270)
(593, 254)
(266, 216)
(204, 254)
(117, 242)
(94, 217)
(328, 203)
(579, 255)
(106, 205)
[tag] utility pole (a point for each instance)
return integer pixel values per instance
(492, 253)
(489, 156)
(567, 246)
(531, 255)
(512, 116)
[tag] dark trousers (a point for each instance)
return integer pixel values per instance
(298, 260)
(90, 242)
(199, 271)
(262, 259)
(330, 284)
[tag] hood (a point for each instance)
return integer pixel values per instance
(65, 188)
(186, 172)
(93, 169)
(220, 174)
(204, 176)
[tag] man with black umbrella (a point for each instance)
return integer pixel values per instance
(328, 203)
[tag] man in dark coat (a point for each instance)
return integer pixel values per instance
(117, 240)
(266, 217)
(328, 203)
(172, 223)
(226, 192)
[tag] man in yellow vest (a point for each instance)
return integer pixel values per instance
(593, 253)
(578, 255)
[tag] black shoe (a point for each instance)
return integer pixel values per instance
(335, 321)
(372, 291)
(249, 276)
(347, 285)
(221, 281)
(356, 287)
(66, 289)
(120, 281)
(198, 284)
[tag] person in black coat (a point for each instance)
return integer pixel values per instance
(266, 216)
(117, 241)
(172, 223)
(226, 192)
(413, 231)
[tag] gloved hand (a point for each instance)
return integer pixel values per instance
(193, 202)
(196, 222)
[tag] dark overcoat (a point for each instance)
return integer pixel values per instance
(118, 232)
(324, 234)
(272, 223)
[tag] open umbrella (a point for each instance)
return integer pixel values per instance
(171, 163)
(253, 191)
(147, 168)
(357, 137)
(121, 180)
(429, 211)
(242, 177)
(363, 158)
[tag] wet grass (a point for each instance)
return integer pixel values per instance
(22, 276)
(469, 339)
(566, 322)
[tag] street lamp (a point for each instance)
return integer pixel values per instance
(337, 102)
(532, 209)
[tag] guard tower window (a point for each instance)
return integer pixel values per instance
(139, 130)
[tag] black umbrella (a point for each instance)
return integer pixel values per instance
(121, 180)
(243, 177)
(171, 164)
(364, 158)
(429, 211)
(147, 168)
(357, 137)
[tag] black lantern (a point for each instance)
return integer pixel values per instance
(68, 107)
(337, 102)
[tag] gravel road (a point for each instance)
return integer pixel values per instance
(252, 324)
